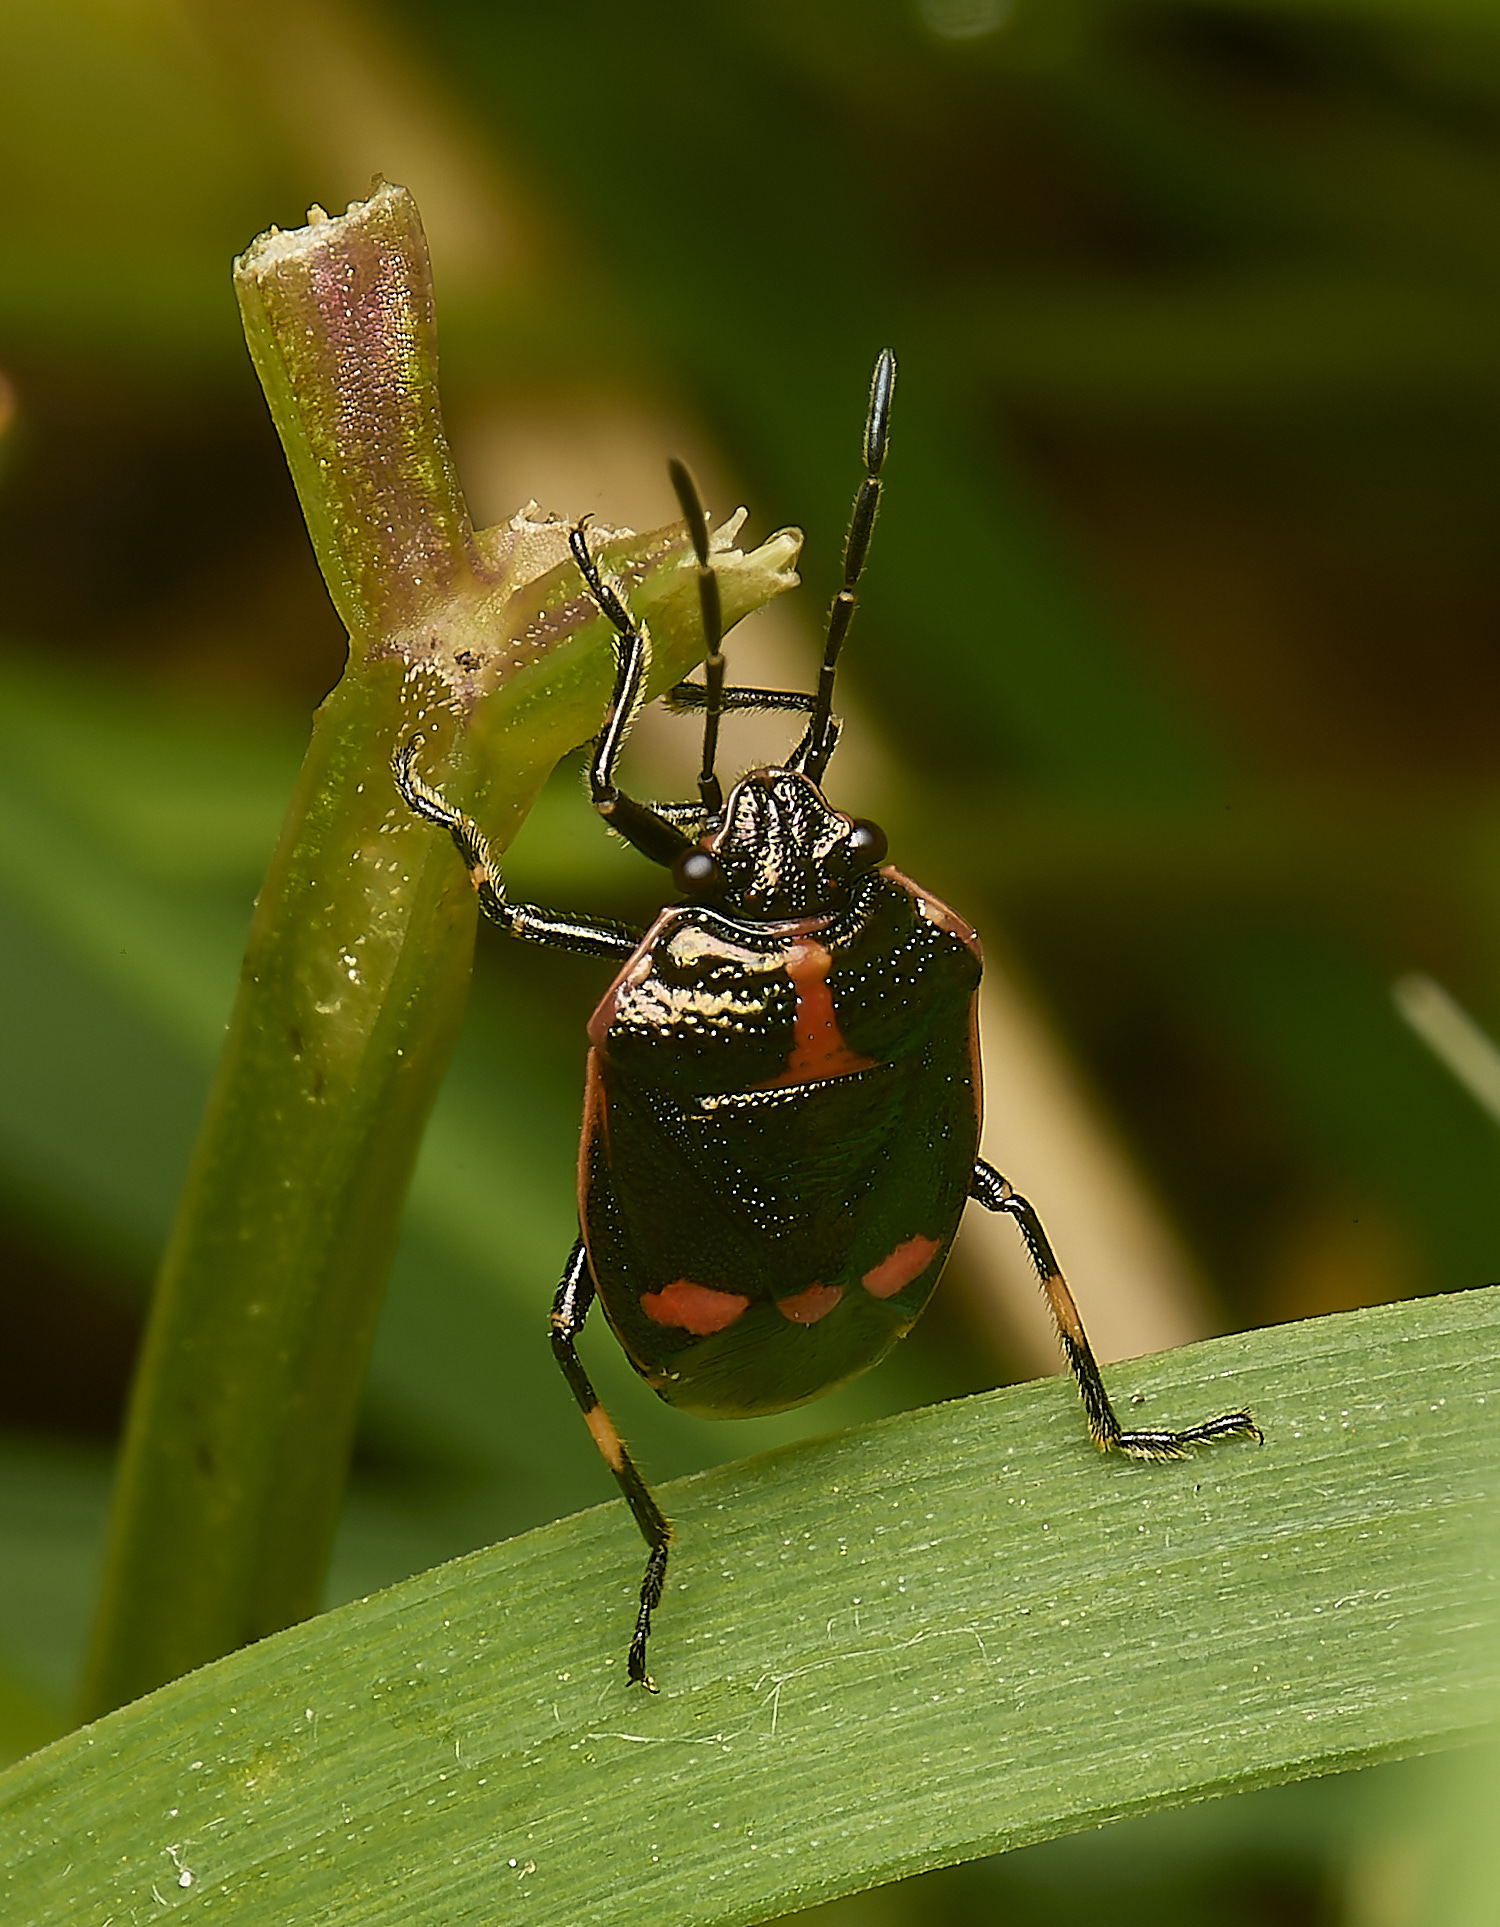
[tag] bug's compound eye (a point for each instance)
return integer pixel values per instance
(867, 844)
(696, 873)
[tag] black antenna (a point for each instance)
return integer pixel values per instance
(713, 634)
(822, 734)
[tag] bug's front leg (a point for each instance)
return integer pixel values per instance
(569, 1309)
(994, 1193)
(597, 935)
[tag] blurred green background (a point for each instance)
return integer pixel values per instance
(1178, 669)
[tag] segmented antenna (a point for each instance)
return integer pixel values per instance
(821, 734)
(713, 634)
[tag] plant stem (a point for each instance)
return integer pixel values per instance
(354, 980)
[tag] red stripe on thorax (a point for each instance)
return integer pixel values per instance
(818, 1047)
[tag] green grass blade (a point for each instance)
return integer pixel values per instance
(939, 1636)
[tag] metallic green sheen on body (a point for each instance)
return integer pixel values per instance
(779, 1137)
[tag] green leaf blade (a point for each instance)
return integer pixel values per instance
(951, 1633)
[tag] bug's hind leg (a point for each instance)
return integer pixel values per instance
(569, 1309)
(995, 1194)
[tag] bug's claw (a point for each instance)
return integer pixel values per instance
(1162, 1447)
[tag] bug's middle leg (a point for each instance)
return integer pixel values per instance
(569, 1309)
(600, 936)
(994, 1193)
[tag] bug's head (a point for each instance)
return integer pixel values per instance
(780, 851)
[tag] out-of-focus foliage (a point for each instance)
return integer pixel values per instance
(1181, 631)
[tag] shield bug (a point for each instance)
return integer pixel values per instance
(782, 1105)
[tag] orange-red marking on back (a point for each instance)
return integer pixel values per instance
(906, 1262)
(818, 1048)
(807, 1307)
(693, 1308)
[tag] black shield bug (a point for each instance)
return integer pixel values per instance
(782, 1108)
